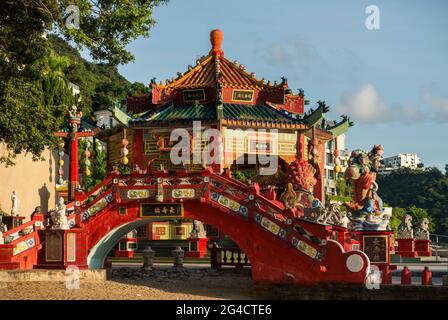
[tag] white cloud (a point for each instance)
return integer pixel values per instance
(277, 55)
(366, 106)
(438, 106)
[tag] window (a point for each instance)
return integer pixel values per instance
(329, 159)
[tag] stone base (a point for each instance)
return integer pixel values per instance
(406, 248)
(98, 275)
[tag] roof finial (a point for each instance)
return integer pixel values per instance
(216, 37)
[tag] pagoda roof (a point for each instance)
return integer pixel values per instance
(232, 114)
(215, 69)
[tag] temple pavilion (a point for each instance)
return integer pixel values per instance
(222, 94)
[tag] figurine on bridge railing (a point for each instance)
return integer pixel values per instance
(366, 210)
(298, 195)
(300, 181)
(59, 217)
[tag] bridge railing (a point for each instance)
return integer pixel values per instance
(272, 216)
(228, 257)
(18, 242)
(83, 199)
(12, 235)
(439, 245)
(245, 200)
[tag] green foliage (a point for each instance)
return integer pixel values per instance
(339, 198)
(343, 187)
(34, 95)
(100, 84)
(417, 214)
(98, 165)
(426, 189)
(397, 216)
(32, 108)
(138, 88)
(244, 175)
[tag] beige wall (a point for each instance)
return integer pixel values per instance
(33, 182)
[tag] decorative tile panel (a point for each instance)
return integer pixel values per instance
(306, 248)
(24, 245)
(229, 203)
(271, 226)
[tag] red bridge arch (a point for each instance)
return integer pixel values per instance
(282, 248)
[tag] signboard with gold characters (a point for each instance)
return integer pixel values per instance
(160, 210)
(375, 247)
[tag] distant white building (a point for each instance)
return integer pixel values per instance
(104, 119)
(407, 160)
(401, 160)
(330, 173)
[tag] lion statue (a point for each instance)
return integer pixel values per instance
(422, 232)
(405, 229)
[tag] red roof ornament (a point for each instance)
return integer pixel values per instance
(216, 37)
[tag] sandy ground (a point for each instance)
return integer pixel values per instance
(216, 287)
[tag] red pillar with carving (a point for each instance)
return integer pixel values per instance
(74, 120)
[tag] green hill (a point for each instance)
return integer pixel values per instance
(100, 84)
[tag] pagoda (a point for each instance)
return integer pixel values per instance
(253, 116)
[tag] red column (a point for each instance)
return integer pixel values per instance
(137, 149)
(300, 152)
(74, 176)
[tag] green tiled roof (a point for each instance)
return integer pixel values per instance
(183, 113)
(248, 112)
(172, 113)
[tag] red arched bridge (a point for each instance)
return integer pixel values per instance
(281, 247)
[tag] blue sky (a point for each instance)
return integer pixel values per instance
(391, 81)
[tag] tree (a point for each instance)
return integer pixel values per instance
(426, 189)
(33, 109)
(344, 187)
(98, 165)
(397, 216)
(106, 28)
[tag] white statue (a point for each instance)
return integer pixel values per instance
(131, 234)
(58, 216)
(422, 232)
(198, 231)
(15, 204)
(405, 229)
